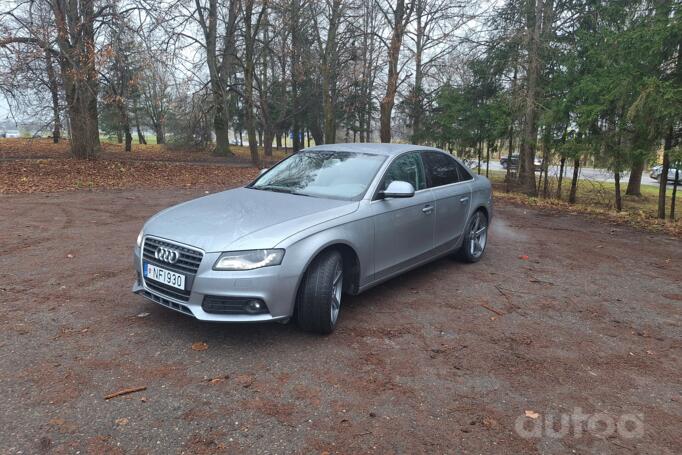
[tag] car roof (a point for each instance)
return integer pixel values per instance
(371, 148)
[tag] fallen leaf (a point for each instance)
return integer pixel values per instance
(532, 414)
(143, 315)
(218, 379)
(245, 380)
(199, 346)
(523, 257)
(122, 421)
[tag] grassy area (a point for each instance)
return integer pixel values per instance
(600, 194)
(598, 199)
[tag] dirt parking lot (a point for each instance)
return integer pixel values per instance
(447, 359)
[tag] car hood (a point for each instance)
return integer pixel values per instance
(243, 218)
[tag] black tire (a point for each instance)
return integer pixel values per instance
(320, 294)
(467, 252)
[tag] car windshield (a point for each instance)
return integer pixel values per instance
(325, 174)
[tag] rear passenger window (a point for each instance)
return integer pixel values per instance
(463, 173)
(442, 169)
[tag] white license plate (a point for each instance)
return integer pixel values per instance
(152, 272)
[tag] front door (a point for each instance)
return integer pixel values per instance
(403, 227)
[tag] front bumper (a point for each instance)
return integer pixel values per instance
(276, 286)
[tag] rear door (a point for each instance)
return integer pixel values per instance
(403, 227)
(450, 184)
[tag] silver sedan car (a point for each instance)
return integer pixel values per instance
(329, 220)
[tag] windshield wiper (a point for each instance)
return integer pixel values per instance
(279, 189)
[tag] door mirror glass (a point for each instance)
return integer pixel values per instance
(398, 188)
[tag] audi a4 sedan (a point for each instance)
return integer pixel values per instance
(327, 221)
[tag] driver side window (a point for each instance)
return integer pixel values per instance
(406, 168)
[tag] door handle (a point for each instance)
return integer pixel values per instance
(463, 199)
(427, 209)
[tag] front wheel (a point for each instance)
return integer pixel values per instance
(475, 238)
(319, 296)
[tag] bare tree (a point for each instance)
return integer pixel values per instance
(74, 46)
(251, 31)
(219, 59)
(397, 18)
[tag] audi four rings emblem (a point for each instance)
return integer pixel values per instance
(167, 255)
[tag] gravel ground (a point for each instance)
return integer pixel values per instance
(449, 358)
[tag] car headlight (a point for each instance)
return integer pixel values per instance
(139, 238)
(248, 260)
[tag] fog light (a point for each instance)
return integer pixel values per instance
(254, 306)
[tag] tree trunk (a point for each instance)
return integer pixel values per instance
(222, 136)
(663, 184)
(267, 142)
(296, 137)
(84, 127)
(545, 163)
(54, 92)
(329, 74)
(316, 133)
(250, 118)
(574, 181)
(674, 195)
(128, 139)
(75, 23)
(507, 177)
(487, 160)
(140, 136)
(417, 107)
(160, 134)
(619, 200)
(635, 180)
(530, 128)
(400, 19)
(219, 66)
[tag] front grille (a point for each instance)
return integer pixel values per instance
(167, 303)
(187, 264)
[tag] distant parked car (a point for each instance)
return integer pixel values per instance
(504, 161)
(12, 134)
(657, 170)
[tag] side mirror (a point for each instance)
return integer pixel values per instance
(398, 188)
(263, 171)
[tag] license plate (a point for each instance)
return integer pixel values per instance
(152, 272)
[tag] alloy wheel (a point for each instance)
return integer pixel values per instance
(337, 289)
(478, 235)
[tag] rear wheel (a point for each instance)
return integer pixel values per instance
(319, 296)
(475, 238)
